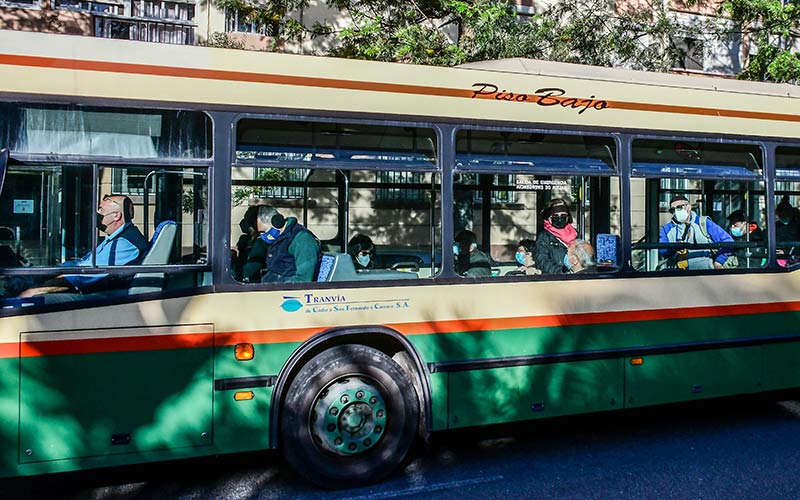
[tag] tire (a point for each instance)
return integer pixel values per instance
(349, 417)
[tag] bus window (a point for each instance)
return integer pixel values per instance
(59, 238)
(95, 131)
(697, 205)
(787, 199)
(366, 184)
(503, 184)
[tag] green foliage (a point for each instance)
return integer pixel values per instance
(240, 195)
(771, 27)
(452, 32)
(223, 41)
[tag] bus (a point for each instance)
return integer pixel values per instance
(180, 353)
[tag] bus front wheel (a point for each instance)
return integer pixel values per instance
(349, 418)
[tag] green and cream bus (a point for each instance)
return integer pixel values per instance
(181, 356)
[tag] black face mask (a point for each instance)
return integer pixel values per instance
(559, 221)
(245, 227)
(100, 224)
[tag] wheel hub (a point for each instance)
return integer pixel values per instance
(348, 416)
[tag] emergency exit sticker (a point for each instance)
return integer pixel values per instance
(23, 206)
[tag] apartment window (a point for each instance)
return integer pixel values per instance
(237, 21)
(689, 53)
(105, 8)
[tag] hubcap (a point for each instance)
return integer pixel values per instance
(348, 416)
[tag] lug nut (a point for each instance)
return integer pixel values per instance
(345, 399)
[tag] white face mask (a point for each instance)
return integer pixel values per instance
(363, 260)
(681, 215)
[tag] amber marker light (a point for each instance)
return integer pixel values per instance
(244, 352)
(243, 395)
(637, 361)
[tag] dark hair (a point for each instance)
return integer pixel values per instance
(736, 216)
(528, 244)
(784, 207)
(554, 204)
(127, 209)
(466, 238)
(250, 215)
(360, 243)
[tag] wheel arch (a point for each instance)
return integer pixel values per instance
(382, 338)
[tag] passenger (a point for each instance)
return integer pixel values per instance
(123, 244)
(247, 239)
(787, 230)
(293, 251)
(256, 258)
(744, 231)
(362, 251)
(470, 261)
(552, 241)
(524, 257)
(687, 227)
(580, 258)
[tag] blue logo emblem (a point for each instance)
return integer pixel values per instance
(291, 304)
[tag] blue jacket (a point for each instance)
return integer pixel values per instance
(715, 232)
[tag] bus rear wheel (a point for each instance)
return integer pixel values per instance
(349, 418)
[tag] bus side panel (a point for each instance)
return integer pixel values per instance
(498, 395)
(666, 378)
(90, 404)
(9, 414)
(439, 396)
(781, 366)
(244, 425)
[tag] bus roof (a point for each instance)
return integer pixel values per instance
(517, 92)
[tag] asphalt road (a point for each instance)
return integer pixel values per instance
(742, 448)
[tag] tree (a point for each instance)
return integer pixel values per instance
(451, 32)
(771, 26)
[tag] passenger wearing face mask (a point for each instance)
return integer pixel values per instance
(524, 258)
(293, 252)
(580, 258)
(741, 230)
(123, 245)
(362, 251)
(787, 230)
(553, 240)
(470, 261)
(688, 227)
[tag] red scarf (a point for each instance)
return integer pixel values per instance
(566, 235)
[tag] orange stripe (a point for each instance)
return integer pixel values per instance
(115, 344)
(242, 76)
(162, 342)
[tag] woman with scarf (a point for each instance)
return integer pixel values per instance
(552, 242)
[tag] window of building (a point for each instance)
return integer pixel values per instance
(689, 53)
(239, 21)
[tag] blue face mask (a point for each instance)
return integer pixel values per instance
(520, 256)
(786, 220)
(269, 236)
(737, 231)
(566, 262)
(455, 248)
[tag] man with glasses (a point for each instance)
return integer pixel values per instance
(692, 229)
(123, 244)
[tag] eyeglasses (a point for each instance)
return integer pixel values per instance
(366, 252)
(682, 206)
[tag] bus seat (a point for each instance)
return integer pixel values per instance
(339, 267)
(7, 234)
(607, 245)
(160, 250)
